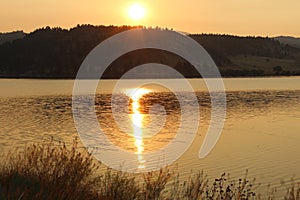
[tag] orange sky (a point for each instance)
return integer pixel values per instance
(238, 17)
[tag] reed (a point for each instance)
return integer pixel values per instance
(52, 170)
(48, 171)
(293, 192)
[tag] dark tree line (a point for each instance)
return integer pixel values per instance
(58, 53)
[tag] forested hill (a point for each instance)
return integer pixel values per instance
(292, 41)
(7, 37)
(58, 53)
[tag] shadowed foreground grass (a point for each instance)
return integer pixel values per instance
(55, 171)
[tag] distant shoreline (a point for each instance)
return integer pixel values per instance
(71, 78)
(56, 53)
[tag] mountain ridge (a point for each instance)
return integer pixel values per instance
(292, 41)
(58, 53)
(11, 36)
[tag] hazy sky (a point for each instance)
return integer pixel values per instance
(238, 17)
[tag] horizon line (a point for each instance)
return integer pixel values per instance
(169, 28)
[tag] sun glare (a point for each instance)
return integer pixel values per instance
(137, 122)
(136, 11)
(136, 93)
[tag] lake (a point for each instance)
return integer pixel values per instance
(261, 133)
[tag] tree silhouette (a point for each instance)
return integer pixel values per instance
(58, 53)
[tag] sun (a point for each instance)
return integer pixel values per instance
(136, 11)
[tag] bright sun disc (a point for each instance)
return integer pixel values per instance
(136, 11)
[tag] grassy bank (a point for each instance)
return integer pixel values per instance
(54, 171)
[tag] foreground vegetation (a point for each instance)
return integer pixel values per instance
(55, 171)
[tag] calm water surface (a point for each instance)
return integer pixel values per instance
(261, 132)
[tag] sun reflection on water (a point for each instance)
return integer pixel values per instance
(138, 122)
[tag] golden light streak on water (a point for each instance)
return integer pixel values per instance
(137, 122)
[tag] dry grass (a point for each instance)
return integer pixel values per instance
(198, 187)
(55, 171)
(48, 171)
(293, 192)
